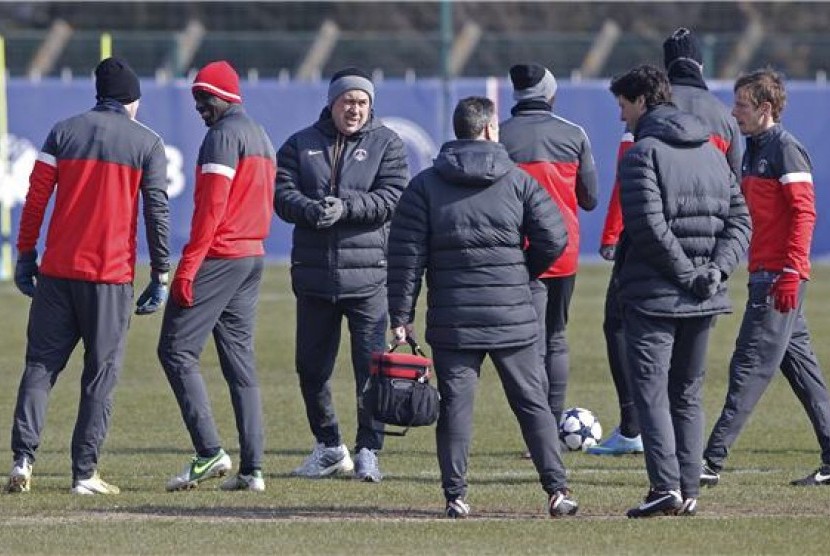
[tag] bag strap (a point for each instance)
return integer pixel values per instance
(413, 345)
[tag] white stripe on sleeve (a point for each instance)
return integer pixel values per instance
(47, 158)
(221, 169)
(797, 177)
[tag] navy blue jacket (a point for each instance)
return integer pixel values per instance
(465, 222)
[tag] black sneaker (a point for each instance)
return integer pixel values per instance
(688, 508)
(561, 504)
(708, 476)
(658, 502)
(820, 476)
(457, 509)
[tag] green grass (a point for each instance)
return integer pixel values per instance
(753, 511)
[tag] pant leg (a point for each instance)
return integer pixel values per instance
(648, 348)
(557, 363)
(457, 373)
(318, 339)
(759, 351)
(521, 380)
(367, 319)
(688, 368)
(801, 368)
(612, 328)
(234, 337)
(103, 312)
(51, 337)
(184, 332)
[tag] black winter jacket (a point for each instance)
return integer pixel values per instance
(348, 259)
(683, 212)
(465, 221)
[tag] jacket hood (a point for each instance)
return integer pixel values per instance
(326, 123)
(671, 125)
(472, 162)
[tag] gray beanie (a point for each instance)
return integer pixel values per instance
(532, 82)
(348, 79)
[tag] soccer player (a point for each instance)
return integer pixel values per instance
(338, 183)
(686, 227)
(465, 222)
(95, 164)
(558, 154)
(216, 285)
(683, 60)
(778, 185)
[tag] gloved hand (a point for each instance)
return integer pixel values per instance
(182, 291)
(401, 333)
(25, 272)
(333, 211)
(608, 251)
(154, 295)
(314, 212)
(785, 290)
(706, 282)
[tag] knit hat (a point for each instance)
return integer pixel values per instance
(220, 80)
(681, 45)
(115, 79)
(532, 82)
(348, 79)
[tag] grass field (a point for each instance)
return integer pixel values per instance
(752, 511)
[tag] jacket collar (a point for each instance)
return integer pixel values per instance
(764, 137)
(530, 106)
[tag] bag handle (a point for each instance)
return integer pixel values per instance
(413, 345)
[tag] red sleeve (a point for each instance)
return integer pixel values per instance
(41, 186)
(801, 197)
(210, 200)
(613, 219)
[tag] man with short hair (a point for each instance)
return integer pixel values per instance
(557, 154)
(98, 162)
(778, 185)
(465, 222)
(216, 286)
(683, 61)
(686, 228)
(338, 182)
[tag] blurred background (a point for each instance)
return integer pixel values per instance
(307, 40)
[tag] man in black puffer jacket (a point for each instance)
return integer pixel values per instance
(465, 222)
(338, 182)
(686, 226)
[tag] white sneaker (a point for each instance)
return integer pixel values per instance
(253, 482)
(200, 469)
(94, 485)
(325, 461)
(20, 477)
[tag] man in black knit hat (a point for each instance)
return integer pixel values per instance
(558, 154)
(99, 162)
(338, 182)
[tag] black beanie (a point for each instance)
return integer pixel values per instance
(525, 76)
(115, 79)
(682, 44)
(532, 82)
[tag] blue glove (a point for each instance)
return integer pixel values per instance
(154, 295)
(25, 272)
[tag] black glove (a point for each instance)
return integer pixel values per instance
(705, 284)
(25, 272)
(333, 211)
(314, 212)
(608, 251)
(154, 295)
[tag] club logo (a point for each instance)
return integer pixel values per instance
(360, 155)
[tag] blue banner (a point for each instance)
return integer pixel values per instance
(418, 111)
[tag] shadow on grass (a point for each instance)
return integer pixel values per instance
(310, 513)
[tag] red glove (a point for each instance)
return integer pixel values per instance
(182, 291)
(785, 291)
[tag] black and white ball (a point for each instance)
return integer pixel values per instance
(579, 429)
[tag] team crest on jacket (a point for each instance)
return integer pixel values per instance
(360, 155)
(762, 166)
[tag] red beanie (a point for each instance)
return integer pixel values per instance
(220, 80)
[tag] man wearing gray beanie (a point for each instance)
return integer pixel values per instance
(558, 154)
(338, 182)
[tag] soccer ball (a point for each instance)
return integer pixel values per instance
(579, 429)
